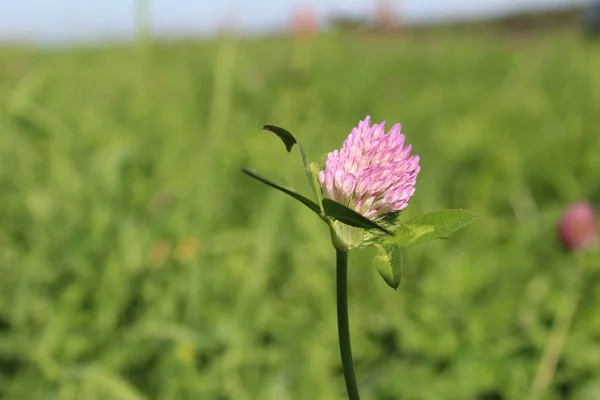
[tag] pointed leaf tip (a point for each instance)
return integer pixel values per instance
(286, 137)
(349, 217)
(388, 263)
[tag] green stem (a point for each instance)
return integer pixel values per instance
(343, 326)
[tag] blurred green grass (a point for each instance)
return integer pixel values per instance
(137, 262)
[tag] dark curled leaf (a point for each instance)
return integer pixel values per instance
(286, 137)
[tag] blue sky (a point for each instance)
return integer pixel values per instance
(81, 20)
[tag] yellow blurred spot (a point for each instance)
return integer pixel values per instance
(186, 352)
(187, 249)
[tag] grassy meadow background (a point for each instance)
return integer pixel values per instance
(137, 262)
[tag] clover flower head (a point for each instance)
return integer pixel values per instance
(577, 228)
(374, 172)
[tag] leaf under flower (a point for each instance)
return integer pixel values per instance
(388, 263)
(350, 217)
(430, 226)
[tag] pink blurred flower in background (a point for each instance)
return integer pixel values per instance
(305, 22)
(385, 18)
(374, 172)
(577, 228)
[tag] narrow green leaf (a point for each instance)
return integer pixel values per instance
(286, 137)
(312, 179)
(313, 172)
(434, 225)
(289, 140)
(307, 202)
(388, 263)
(349, 217)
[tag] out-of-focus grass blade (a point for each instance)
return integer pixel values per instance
(110, 383)
(307, 202)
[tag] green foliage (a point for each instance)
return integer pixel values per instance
(136, 261)
(286, 137)
(388, 262)
(430, 226)
(423, 228)
(312, 172)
